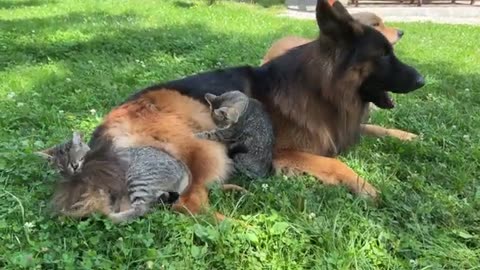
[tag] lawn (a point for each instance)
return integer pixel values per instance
(65, 64)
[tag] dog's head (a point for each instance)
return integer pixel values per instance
(393, 35)
(363, 56)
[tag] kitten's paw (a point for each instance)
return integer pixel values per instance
(124, 216)
(116, 218)
(201, 135)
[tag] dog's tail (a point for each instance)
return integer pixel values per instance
(328, 170)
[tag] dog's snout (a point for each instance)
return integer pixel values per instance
(400, 33)
(420, 81)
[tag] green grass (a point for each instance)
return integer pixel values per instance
(65, 64)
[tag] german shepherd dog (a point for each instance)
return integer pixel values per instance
(393, 35)
(315, 94)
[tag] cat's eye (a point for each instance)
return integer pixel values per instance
(219, 114)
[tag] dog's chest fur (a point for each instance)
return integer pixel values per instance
(308, 123)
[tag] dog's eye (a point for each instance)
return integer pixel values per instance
(387, 52)
(375, 24)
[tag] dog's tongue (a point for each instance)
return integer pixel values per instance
(389, 101)
(385, 102)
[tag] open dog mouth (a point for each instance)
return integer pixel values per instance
(383, 100)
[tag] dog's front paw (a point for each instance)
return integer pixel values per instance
(403, 135)
(363, 189)
(368, 191)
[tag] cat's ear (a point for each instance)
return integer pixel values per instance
(237, 92)
(222, 112)
(231, 114)
(77, 138)
(45, 154)
(210, 98)
(77, 142)
(242, 105)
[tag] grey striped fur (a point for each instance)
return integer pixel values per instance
(67, 157)
(153, 175)
(245, 127)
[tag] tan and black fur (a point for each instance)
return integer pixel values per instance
(281, 46)
(393, 35)
(315, 94)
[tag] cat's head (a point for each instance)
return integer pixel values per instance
(227, 108)
(67, 157)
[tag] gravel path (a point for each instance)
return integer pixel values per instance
(464, 14)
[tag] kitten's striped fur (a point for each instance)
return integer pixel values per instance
(153, 175)
(245, 127)
(67, 157)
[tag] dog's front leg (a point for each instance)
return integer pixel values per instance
(378, 131)
(328, 170)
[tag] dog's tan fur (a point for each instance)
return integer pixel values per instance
(284, 44)
(314, 118)
(281, 46)
(167, 120)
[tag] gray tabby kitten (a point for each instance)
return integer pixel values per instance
(152, 175)
(67, 157)
(245, 127)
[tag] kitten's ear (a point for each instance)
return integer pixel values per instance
(77, 138)
(228, 113)
(237, 92)
(210, 98)
(45, 154)
(233, 114)
(242, 105)
(222, 111)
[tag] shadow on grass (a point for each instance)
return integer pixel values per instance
(183, 4)
(106, 69)
(115, 40)
(73, 20)
(117, 58)
(11, 4)
(264, 3)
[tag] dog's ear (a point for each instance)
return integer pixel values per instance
(210, 98)
(335, 22)
(340, 10)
